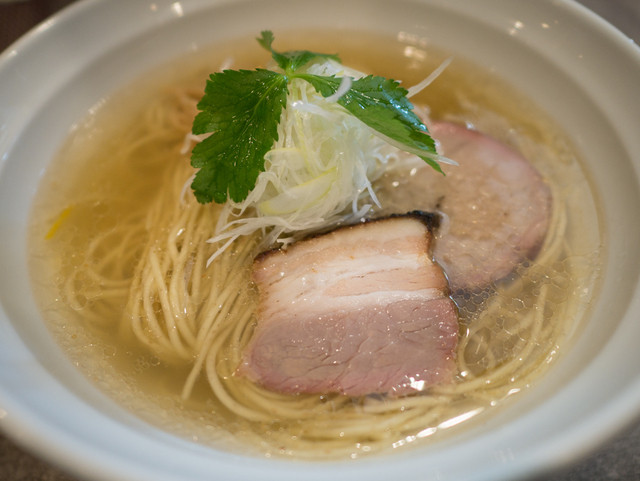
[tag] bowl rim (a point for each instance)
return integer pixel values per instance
(61, 447)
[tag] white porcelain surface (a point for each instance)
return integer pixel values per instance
(578, 68)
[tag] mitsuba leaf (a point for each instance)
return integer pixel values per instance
(292, 60)
(241, 109)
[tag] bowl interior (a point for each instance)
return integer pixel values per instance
(577, 68)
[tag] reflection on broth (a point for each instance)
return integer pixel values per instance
(119, 251)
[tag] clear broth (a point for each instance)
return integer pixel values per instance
(62, 226)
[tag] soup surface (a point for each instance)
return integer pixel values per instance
(112, 216)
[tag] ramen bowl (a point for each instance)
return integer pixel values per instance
(577, 68)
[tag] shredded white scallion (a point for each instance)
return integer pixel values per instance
(343, 88)
(189, 139)
(419, 87)
(319, 172)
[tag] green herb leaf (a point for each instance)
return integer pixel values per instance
(242, 109)
(382, 104)
(294, 59)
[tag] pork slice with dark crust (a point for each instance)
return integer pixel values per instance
(496, 207)
(360, 310)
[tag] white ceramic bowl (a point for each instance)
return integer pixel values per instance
(578, 68)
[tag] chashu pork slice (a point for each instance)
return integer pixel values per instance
(496, 206)
(357, 311)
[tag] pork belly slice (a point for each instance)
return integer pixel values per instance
(357, 311)
(496, 205)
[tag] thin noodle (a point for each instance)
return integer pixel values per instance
(201, 317)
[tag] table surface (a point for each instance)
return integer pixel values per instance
(618, 460)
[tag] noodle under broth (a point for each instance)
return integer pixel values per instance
(119, 258)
